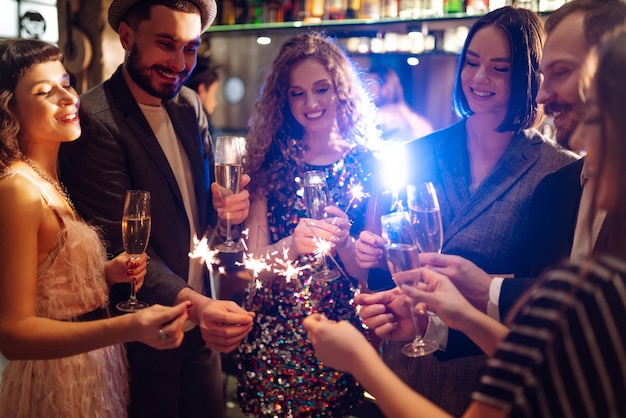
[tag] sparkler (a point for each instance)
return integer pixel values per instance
(323, 248)
(357, 193)
(256, 266)
(286, 268)
(202, 251)
(394, 165)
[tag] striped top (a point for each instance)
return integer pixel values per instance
(566, 353)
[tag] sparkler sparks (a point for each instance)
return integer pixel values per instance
(286, 268)
(323, 247)
(357, 193)
(202, 251)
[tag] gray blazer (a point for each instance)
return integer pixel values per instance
(118, 151)
(487, 226)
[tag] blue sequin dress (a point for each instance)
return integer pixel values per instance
(278, 373)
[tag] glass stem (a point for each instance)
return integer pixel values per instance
(324, 262)
(229, 233)
(416, 328)
(133, 292)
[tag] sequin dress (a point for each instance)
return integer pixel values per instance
(278, 373)
(70, 283)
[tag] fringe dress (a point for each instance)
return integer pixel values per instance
(70, 285)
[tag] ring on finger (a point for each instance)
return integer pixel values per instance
(162, 334)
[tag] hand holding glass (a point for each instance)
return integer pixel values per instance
(228, 169)
(402, 254)
(316, 199)
(136, 224)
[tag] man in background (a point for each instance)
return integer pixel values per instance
(143, 130)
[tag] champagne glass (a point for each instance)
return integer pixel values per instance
(228, 169)
(402, 254)
(425, 216)
(316, 199)
(136, 224)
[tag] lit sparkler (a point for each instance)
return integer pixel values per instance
(202, 251)
(286, 268)
(323, 249)
(394, 170)
(357, 193)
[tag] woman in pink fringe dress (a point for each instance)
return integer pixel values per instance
(66, 357)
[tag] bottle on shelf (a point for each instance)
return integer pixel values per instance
(433, 8)
(255, 11)
(294, 10)
(410, 9)
(353, 9)
(370, 9)
(336, 9)
(475, 7)
(226, 13)
(453, 6)
(389, 8)
(314, 10)
(272, 11)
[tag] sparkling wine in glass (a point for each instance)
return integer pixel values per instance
(402, 254)
(425, 216)
(316, 199)
(228, 170)
(136, 224)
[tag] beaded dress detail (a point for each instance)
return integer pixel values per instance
(70, 282)
(278, 373)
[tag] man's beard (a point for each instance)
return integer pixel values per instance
(138, 73)
(563, 133)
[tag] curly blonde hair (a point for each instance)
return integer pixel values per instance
(275, 137)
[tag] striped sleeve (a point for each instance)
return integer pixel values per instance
(566, 353)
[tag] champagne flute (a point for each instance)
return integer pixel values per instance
(136, 224)
(228, 169)
(402, 254)
(316, 199)
(425, 216)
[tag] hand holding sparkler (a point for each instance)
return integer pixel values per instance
(369, 250)
(223, 324)
(309, 231)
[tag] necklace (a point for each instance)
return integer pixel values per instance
(58, 186)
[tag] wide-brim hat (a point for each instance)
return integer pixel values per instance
(118, 8)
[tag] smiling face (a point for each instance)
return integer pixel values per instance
(161, 53)
(311, 96)
(46, 105)
(486, 74)
(563, 56)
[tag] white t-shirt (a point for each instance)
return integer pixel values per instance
(161, 124)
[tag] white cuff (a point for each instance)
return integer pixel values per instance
(493, 304)
(437, 331)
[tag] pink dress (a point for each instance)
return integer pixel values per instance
(70, 283)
